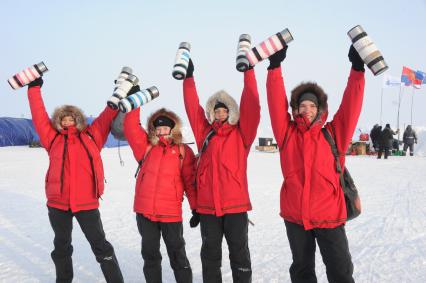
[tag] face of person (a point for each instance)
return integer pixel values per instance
(221, 114)
(308, 109)
(162, 131)
(67, 121)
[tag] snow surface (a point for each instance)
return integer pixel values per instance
(387, 242)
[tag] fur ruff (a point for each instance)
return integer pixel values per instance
(311, 87)
(69, 110)
(175, 134)
(229, 101)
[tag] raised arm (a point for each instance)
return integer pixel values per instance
(188, 176)
(249, 108)
(101, 126)
(135, 134)
(277, 99)
(199, 124)
(346, 118)
(41, 119)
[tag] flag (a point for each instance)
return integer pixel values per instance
(421, 77)
(418, 78)
(390, 81)
(408, 76)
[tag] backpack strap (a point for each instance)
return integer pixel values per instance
(205, 144)
(182, 154)
(140, 162)
(333, 146)
(206, 140)
(53, 140)
(91, 136)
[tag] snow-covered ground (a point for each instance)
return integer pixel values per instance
(387, 242)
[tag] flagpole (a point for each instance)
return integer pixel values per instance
(399, 104)
(412, 99)
(381, 106)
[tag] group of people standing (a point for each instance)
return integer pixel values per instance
(384, 142)
(312, 202)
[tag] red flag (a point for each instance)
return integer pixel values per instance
(408, 76)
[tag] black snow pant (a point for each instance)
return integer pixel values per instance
(235, 228)
(385, 149)
(175, 244)
(91, 225)
(406, 146)
(334, 248)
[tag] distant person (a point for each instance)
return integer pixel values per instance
(223, 200)
(386, 142)
(409, 139)
(74, 181)
(166, 173)
(312, 199)
(375, 135)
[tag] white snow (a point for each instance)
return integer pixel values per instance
(387, 242)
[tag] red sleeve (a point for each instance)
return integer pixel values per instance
(249, 108)
(346, 118)
(277, 104)
(101, 126)
(135, 134)
(41, 121)
(188, 175)
(199, 123)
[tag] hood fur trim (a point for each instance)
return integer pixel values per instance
(176, 133)
(229, 101)
(311, 87)
(69, 110)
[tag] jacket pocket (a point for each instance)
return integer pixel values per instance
(201, 175)
(178, 188)
(327, 179)
(139, 181)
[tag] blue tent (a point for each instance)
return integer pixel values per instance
(19, 131)
(16, 131)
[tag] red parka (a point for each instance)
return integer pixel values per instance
(311, 194)
(75, 178)
(222, 172)
(166, 172)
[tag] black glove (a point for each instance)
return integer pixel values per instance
(36, 82)
(276, 58)
(190, 70)
(357, 63)
(195, 219)
(133, 90)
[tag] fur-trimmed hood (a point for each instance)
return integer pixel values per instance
(176, 133)
(310, 87)
(69, 110)
(229, 101)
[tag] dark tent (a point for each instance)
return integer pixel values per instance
(20, 131)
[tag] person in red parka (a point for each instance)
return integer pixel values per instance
(74, 181)
(222, 190)
(166, 173)
(312, 198)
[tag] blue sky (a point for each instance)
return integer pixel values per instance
(85, 44)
